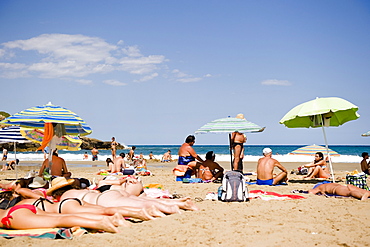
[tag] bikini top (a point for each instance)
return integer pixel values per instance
(41, 200)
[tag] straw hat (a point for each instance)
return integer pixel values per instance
(58, 183)
(37, 182)
(240, 116)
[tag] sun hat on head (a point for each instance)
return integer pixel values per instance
(266, 151)
(58, 183)
(37, 182)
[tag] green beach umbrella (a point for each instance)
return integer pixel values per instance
(321, 112)
(366, 134)
(230, 125)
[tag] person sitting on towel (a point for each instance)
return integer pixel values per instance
(209, 169)
(265, 169)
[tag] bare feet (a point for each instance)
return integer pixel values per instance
(106, 224)
(118, 220)
(188, 205)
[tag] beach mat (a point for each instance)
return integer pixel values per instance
(44, 233)
(312, 181)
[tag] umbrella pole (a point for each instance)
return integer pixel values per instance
(15, 157)
(231, 153)
(327, 152)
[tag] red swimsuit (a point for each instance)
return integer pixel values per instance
(6, 220)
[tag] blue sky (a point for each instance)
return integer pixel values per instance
(152, 72)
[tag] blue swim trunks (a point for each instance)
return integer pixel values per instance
(185, 160)
(265, 182)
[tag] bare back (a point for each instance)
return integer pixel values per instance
(265, 168)
(58, 167)
(187, 150)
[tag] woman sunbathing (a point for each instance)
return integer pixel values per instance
(340, 190)
(74, 205)
(29, 217)
(317, 168)
(132, 187)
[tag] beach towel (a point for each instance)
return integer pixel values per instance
(49, 233)
(267, 196)
(157, 193)
(48, 135)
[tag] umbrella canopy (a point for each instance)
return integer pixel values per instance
(330, 111)
(12, 134)
(36, 117)
(312, 150)
(366, 134)
(229, 125)
(321, 112)
(68, 142)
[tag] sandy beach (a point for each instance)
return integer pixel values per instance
(313, 221)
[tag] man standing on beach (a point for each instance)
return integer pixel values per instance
(94, 153)
(187, 156)
(265, 170)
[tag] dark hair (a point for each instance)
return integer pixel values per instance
(108, 160)
(210, 155)
(321, 155)
(133, 147)
(190, 138)
(60, 191)
(365, 154)
(122, 155)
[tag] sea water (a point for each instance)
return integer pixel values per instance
(348, 153)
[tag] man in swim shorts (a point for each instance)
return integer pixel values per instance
(188, 156)
(265, 170)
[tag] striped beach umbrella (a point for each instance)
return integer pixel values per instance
(71, 143)
(36, 117)
(12, 134)
(229, 125)
(311, 150)
(366, 134)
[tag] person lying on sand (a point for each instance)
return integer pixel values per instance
(209, 169)
(118, 198)
(74, 205)
(340, 190)
(23, 217)
(265, 169)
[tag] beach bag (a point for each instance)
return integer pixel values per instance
(357, 180)
(234, 188)
(302, 171)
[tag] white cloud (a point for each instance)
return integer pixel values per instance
(147, 78)
(193, 79)
(276, 82)
(83, 81)
(114, 83)
(74, 56)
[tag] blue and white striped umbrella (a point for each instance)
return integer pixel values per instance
(229, 125)
(12, 134)
(36, 117)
